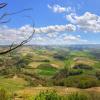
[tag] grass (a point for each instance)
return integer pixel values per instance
(81, 81)
(80, 54)
(46, 71)
(42, 69)
(53, 95)
(12, 84)
(84, 57)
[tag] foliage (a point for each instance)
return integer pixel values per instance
(48, 96)
(3, 94)
(59, 56)
(46, 70)
(98, 74)
(82, 81)
(75, 72)
(46, 67)
(78, 96)
(11, 84)
(54, 96)
(83, 66)
(69, 63)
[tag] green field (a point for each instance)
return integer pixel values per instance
(27, 68)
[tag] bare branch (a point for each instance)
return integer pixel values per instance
(2, 21)
(20, 11)
(5, 21)
(2, 5)
(9, 14)
(19, 45)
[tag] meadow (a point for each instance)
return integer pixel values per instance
(35, 72)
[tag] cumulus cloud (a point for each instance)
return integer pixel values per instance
(52, 34)
(57, 8)
(75, 39)
(70, 9)
(60, 9)
(71, 38)
(49, 29)
(56, 28)
(44, 35)
(87, 22)
(9, 34)
(59, 39)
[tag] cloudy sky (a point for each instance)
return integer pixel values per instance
(56, 21)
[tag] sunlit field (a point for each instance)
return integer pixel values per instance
(47, 68)
(49, 49)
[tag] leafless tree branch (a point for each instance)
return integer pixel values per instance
(2, 5)
(12, 46)
(19, 45)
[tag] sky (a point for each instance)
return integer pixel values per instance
(55, 22)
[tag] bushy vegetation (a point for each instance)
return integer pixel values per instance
(46, 70)
(46, 67)
(49, 67)
(78, 96)
(59, 56)
(83, 66)
(52, 95)
(4, 94)
(82, 81)
(79, 81)
(48, 96)
(98, 74)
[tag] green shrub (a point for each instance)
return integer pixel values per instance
(52, 95)
(94, 95)
(77, 96)
(83, 66)
(46, 70)
(59, 56)
(48, 96)
(3, 94)
(46, 67)
(82, 81)
(75, 72)
(98, 74)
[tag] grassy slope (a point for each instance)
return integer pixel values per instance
(19, 84)
(12, 84)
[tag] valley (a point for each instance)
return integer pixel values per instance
(29, 70)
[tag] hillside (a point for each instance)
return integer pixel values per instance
(32, 69)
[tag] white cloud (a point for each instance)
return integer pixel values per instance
(56, 28)
(57, 8)
(52, 35)
(60, 9)
(10, 35)
(87, 22)
(44, 35)
(71, 38)
(77, 38)
(70, 10)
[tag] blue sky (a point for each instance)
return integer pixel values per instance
(56, 21)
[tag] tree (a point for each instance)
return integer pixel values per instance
(12, 46)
